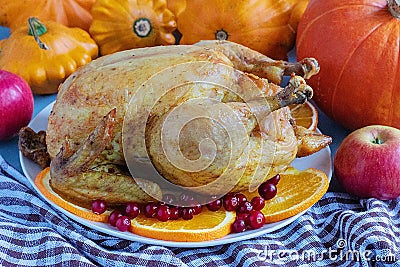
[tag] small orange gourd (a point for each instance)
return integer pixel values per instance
(267, 26)
(126, 24)
(71, 13)
(46, 54)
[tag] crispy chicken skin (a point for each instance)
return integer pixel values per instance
(108, 84)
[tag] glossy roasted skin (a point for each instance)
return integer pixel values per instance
(109, 83)
(253, 141)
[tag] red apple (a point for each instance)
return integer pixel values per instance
(16, 104)
(367, 162)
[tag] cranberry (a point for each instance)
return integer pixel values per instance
(114, 215)
(258, 203)
(132, 210)
(174, 213)
(238, 226)
(267, 190)
(196, 209)
(215, 205)
(241, 216)
(150, 209)
(163, 213)
(241, 198)
(187, 213)
(274, 180)
(98, 206)
(169, 198)
(230, 202)
(123, 223)
(244, 207)
(255, 219)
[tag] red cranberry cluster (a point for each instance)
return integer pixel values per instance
(120, 218)
(163, 211)
(248, 213)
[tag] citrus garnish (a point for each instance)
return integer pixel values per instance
(208, 225)
(306, 115)
(297, 190)
(42, 182)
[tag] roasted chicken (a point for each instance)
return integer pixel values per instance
(206, 114)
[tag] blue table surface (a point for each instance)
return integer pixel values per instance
(9, 148)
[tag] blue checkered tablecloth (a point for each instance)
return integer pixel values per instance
(340, 230)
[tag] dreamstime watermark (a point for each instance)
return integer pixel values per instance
(207, 128)
(189, 127)
(339, 253)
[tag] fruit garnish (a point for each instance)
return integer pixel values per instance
(42, 182)
(163, 213)
(267, 190)
(239, 225)
(174, 213)
(258, 203)
(241, 198)
(215, 205)
(255, 219)
(114, 215)
(297, 191)
(187, 213)
(99, 206)
(132, 210)
(123, 223)
(274, 180)
(230, 202)
(208, 225)
(244, 207)
(150, 209)
(306, 115)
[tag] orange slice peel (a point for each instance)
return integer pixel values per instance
(42, 182)
(306, 115)
(207, 225)
(298, 190)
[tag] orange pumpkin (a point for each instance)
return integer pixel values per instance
(72, 13)
(126, 24)
(267, 26)
(176, 6)
(357, 44)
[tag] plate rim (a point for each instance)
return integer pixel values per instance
(106, 229)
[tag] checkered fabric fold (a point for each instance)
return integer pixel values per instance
(340, 230)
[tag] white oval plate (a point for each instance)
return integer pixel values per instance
(320, 160)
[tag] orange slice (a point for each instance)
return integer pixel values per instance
(207, 225)
(42, 182)
(297, 191)
(306, 115)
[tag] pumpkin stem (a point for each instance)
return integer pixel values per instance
(36, 28)
(142, 27)
(394, 7)
(221, 35)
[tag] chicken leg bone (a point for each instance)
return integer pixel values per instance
(250, 61)
(296, 92)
